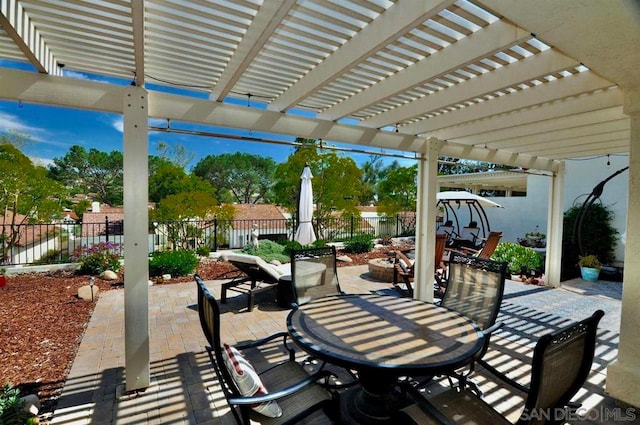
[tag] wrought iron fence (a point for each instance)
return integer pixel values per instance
(56, 242)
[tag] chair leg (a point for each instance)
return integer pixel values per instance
(223, 294)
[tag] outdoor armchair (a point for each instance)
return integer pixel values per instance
(281, 392)
(256, 276)
(561, 363)
(404, 268)
(486, 250)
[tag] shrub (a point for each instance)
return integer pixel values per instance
(98, 257)
(517, 256)
(590, 261)
(176, 263)
(319, 243)
(203, 251)
(53, 256)
(268, 251)
(11, 406)
(359, 244)
(599, 237)
(290, 246)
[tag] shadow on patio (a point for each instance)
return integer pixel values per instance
(184, 388)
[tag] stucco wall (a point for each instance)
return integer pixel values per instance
(522, 214)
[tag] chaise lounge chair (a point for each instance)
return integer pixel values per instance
(257, 276)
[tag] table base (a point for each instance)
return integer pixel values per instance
(358, 407)
(371, 403)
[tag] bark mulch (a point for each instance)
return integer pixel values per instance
(42, 322)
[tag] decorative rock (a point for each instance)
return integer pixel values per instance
(31, 404)
(344, 258)
(108, 275)
(150, 282)
(84, 292)
(166, 276)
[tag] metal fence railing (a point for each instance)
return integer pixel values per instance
(58, 243)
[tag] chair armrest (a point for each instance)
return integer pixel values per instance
(259, 342)
(502, 376)
(311, 380)
(491, 329)
(401, 256)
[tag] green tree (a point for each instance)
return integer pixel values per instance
(80, 207)
(170, 179)
(398, 191)
(186, 205)
(17, 139)
(239, 177)
(336, 180)
(176, 154)
(179, 215)
(91, 172)
(27, 194)
(371, 174)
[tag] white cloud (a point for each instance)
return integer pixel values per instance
(118, 124)
(75, 74)
(12, 122)
(41, 161)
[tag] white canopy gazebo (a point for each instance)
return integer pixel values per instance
(526, 84)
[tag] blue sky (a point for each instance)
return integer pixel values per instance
(54, 130)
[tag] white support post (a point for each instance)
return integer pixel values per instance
(623, 375)
(426, 220)
(136, 225)
(555, 219)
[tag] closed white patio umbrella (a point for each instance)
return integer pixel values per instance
(305, 234)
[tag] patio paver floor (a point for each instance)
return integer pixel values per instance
(184, 388)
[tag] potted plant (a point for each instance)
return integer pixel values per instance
(589, 267)
(3, 279)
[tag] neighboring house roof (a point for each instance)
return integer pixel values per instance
(266, 216)
(368, 208)
(257, 212)
(28, 233)
(94, 223)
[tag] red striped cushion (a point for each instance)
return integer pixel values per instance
(247, 381)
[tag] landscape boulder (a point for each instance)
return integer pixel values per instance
(85, 292)
(108, 275)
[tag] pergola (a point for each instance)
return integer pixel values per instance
(522, 83)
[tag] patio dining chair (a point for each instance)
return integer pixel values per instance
(314, 273)
(475, 289)
(281, 392)
(561, 363)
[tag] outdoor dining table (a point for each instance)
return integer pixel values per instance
(382, 338)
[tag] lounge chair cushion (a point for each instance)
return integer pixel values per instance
(248, 381)
(282, 271)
